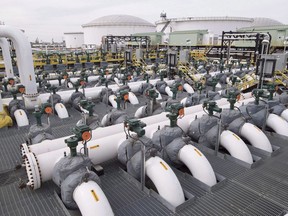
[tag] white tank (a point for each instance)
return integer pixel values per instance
(74, 39)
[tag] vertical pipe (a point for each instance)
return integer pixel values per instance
(6, 57)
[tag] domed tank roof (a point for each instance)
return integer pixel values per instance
(118, 20)
(262, 21)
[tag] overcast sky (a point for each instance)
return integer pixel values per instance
(49, 19)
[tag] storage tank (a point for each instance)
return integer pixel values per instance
(74, 39)
(114, 25)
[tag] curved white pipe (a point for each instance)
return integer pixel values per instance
(165, 180)
(284, 114)
(139, 111)
(256, 137)
(159, 95)
(24, 57)
(198, 164)
(168, 91)
(132, 98)
(61, 111)
(278, 124)
(104, 120)
(21, 118)
(152, 121)
(6, 57)
(91, 200)
(183, 101)
(112, 100)
(188, 88)
(235, 146)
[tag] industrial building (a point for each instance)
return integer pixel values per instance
(74, 39)
(114, 25)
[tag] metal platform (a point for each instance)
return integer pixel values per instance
(260, 190)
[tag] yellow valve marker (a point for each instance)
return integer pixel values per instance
(95, 195)
(30, 77)
(196, 150)
(236, 136)
(163, 165)
(95, 146)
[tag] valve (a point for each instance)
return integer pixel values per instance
(214, 82)
(82, 133)
(199, 86)
(88, 105)
(121, 95)
(152, 94)
(45, 108)
(211, 107)
(234, 79)
(271, 88)
(257, 93)
(176, 110)
(232, 98)
(136, 126)
(175, 88)
(146, 77)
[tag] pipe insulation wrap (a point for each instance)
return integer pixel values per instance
(198, 164)
(91, 200)
(284, 114)
(256, 137)
(278, 124)
(165, 180)
(235, 146)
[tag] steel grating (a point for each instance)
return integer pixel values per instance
(262, 207)
(31, 203)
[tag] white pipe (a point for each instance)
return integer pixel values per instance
(1, 103)
(112, 101)
(284, 114)
(61, 111)
(91, 200)
(24, 57)
(159, 95)
(168, 91)
(132, 98)
(198, 164)
(278, 124)
(151, 121)
(6, 57)
(256, 137)
(183, 101)
(165, 180)
(235, 146)
(21, 118)
(188, 88)
(139, 111)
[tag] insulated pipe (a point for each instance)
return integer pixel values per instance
(112, 101)
(132, 98)
(1, 103)
(284, 114)
(235, 146)
(139, 112)
(24, 57)
(165, 180)
(91, 200)
(198, 164)
(278, 124)
(188, 88)
(168, 91)
(157, 120)
(21, 118)
(61, 111)
(6, 57)
(256, 137)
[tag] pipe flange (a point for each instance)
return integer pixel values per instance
(24, 149)
(33, 171)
